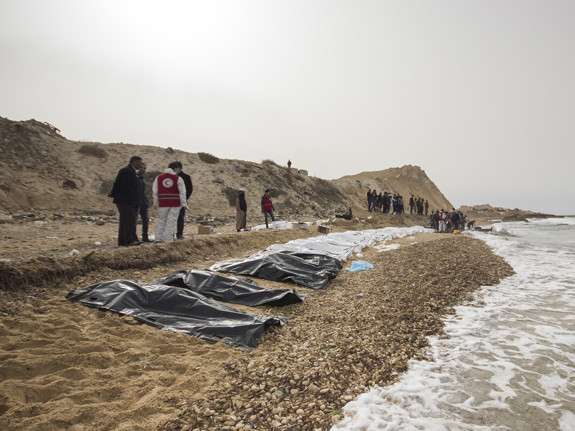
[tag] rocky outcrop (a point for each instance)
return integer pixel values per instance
(486, 212)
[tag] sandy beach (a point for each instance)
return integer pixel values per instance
(67, 366)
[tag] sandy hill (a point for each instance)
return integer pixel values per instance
(42, 170)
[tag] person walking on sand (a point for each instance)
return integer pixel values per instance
(241, 210)
(125, 194)
(189, 189)
(268, 207)
(169, 193)
(142, 209)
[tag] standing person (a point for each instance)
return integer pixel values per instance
(142, 209)
(386, 202)
(373, 200)
(289, 164)
(369, 199)
(442, 221)
(426, 206)
(462, 221)
(125, 194)
(169, 193)
(241, 210)
(411, 204)
(189, 189)
(454, 220)
(436, 220)
(268, 206)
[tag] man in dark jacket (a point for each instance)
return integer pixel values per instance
(125, 194)
(189, 189)
(369, 199)
(454, 220)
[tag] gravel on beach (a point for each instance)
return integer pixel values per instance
(357, 334)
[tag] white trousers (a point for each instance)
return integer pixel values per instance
(166, 224)
(442, 227)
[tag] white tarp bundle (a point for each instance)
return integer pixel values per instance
(340, 245)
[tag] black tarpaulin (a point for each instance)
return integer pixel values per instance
(310, 270)
(177, 309)
(230, 289)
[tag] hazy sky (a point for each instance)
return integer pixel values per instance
(480, 94)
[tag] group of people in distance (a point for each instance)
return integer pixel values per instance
(440, 221)
(170, 190)
(445, 222)
(394, 204)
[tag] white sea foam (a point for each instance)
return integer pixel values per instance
(509, 363)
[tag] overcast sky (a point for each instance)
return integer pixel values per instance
(479, 94)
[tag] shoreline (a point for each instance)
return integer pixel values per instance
(356, 335)
(93, 370)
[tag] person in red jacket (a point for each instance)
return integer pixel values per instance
(268, 207)
(169, 191)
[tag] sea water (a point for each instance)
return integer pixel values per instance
(509, 361)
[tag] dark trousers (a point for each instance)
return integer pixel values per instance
(180, 224)
(127, 225)
(142, 211)
(271, 214)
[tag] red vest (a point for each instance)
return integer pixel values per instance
(168, 191)
(267, 203)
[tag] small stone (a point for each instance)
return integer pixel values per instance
(312, 388)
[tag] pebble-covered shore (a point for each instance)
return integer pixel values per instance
(357, 334)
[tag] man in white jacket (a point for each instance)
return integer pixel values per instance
(169, 193)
